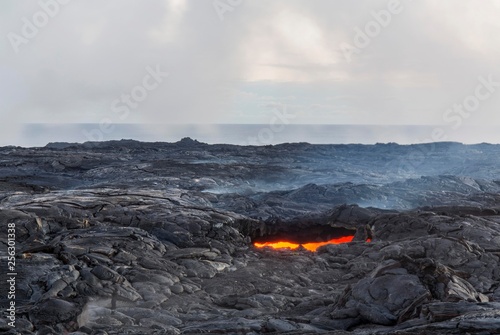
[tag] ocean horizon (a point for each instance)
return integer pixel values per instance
(39, 134)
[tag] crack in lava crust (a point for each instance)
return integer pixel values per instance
(312, 246)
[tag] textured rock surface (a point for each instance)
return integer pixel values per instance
(156, 238)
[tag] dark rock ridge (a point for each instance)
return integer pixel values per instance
(124, 237)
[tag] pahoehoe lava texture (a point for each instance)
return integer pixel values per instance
(126, 237)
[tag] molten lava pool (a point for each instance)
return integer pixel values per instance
(313, 246)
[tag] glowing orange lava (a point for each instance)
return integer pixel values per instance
(278, 245)
(313, 246)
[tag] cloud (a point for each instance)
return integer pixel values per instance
(263, 52)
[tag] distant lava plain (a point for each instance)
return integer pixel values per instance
(125, 237)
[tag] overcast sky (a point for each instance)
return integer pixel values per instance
(234, 61)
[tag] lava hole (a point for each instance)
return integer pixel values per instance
(310, 238)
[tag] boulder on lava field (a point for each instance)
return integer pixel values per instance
(396, 291)
(390, 294)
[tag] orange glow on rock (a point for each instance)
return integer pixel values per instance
(278, 245)
(313, 246)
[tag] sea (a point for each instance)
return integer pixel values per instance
(39, 134)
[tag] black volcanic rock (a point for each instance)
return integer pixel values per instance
(124, 237)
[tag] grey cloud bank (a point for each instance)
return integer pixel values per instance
(232, 61)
